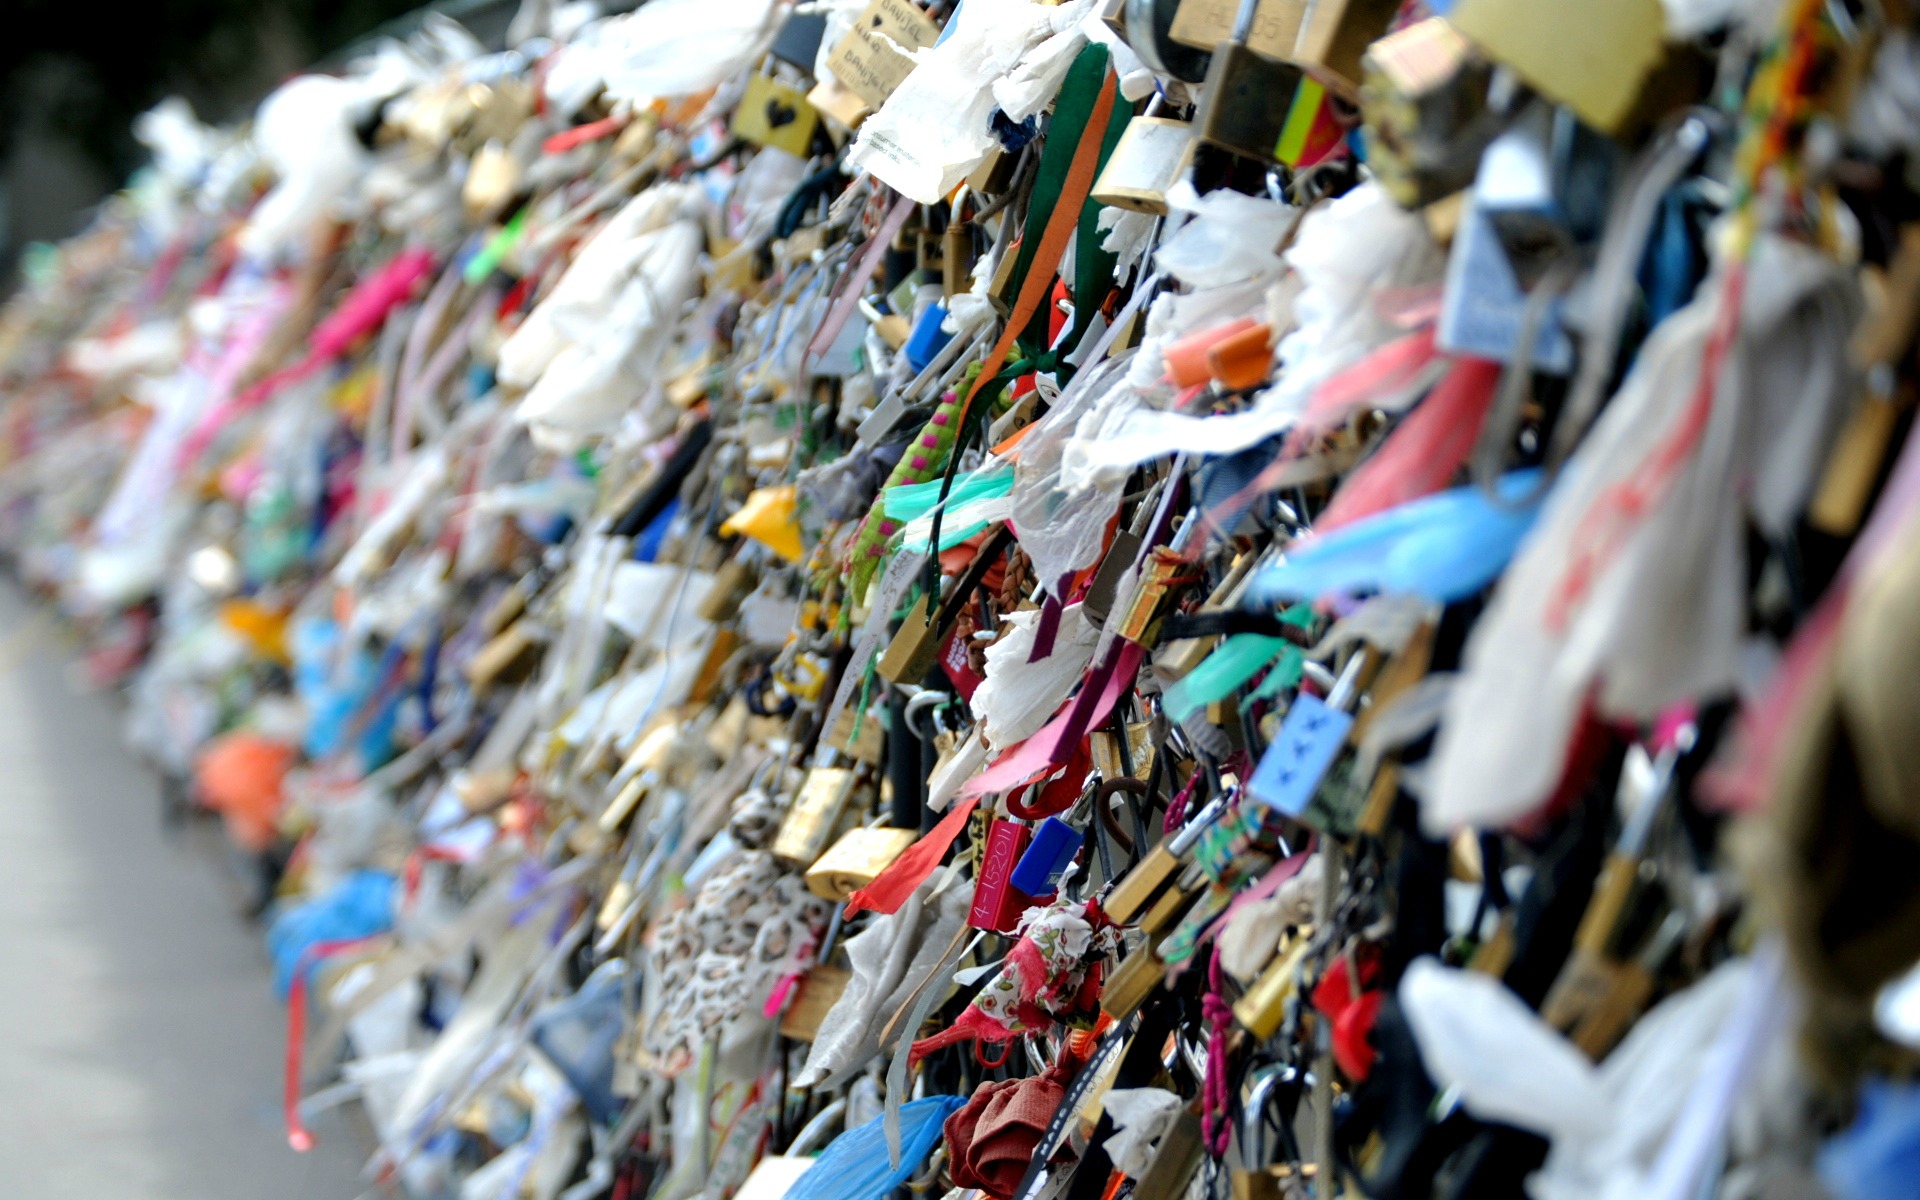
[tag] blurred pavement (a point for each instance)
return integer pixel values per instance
(141, 1045)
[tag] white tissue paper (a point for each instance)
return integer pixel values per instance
(935, 128)
(665, 48)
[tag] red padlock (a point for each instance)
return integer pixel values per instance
(997, 904)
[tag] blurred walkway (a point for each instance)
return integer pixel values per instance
(140, 1042)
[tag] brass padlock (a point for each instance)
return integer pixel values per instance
(1127, 989)
(1132, 760)
(859, 736)
(914, 649)
(509, 658)
(1606, 1021)
(1152, 155)
(1262, 1009)
(1159, 870)
(809, 825)
(1163, 570)
(732, 583)
(856, 859)
(1246, 97)
(819, 990)
(1175, 1161)
(957, 251)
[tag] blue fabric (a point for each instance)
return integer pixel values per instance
(361, 905)
(1878, 1156)
(855, 1166)
(1444, 547)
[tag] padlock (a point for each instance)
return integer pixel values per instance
(511, 657)
(915, 646)
(1262, 1008)
(1335, 35)
(1310, 739)
(997, 903)
(1243, 106)
(1424, 98)
(732, 583)
(856, 859)
(1262, 1178)
(1174, 901)
(815, 995)
(1128, 758)
(1163, 571)
(809, 825)
(1606, 1020)
(772, 114)
(1152, 155)
(1175, 1161)
(1054, 846)
(956, 250)
(1592, 969)
(1159, 869)
(1126, 990)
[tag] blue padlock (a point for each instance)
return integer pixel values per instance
(1054, 845)
(927, 338)
(1310, 740)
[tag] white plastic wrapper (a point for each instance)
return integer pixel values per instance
(1344, 253)
(579, 352)
(935, 128)
(1251, 934)
(1508, 1064)
(1886, 112)
(1229, 237)
(1674, 1089)
(1536, 655)
(1063, 521)
(1141, 1117)
(666, 48)
(305, 134)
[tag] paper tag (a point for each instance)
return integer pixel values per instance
(872, 60)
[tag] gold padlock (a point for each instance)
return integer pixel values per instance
(1263, 1008)
(1163, 570)
(1246, 97)
(914, 649)
(856, 859)
(818, 992)
(1159, 870)
(1151, 156)
(1114, 761)
(810, 824)
(509, 658)
(1127, 989)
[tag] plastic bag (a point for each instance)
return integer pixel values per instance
(1508, 1065)
(855, 1166)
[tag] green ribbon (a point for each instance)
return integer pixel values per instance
(1093, 266)
(1237, 660)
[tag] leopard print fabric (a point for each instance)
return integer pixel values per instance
(751, 923)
